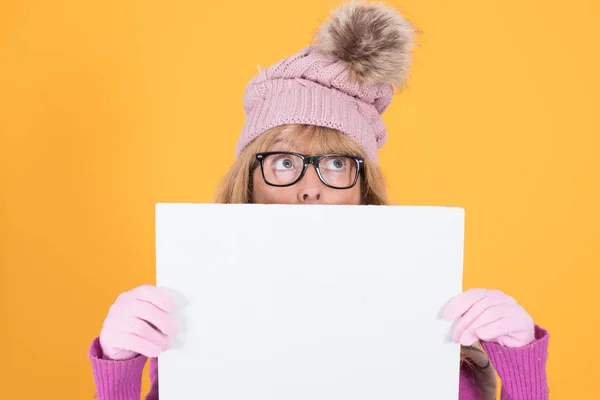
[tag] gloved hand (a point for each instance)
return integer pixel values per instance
(491, 316)
(139, 322)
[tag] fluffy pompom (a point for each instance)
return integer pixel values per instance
(373, 40)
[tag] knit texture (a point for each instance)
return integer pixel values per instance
(116, 380)
(315, 89)
(522, 371)
(521, 364)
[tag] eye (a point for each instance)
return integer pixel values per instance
(335, 164)
(283, 164)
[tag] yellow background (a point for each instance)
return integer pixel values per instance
(107, 107)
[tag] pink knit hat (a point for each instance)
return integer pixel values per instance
(344, 81)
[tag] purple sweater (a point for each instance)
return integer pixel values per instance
(522, 371)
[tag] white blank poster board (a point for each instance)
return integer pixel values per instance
(289, 302)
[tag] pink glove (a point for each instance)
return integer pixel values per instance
(491, 316)
(138, 323)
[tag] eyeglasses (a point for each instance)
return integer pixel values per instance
(337, 171)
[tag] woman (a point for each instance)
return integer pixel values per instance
(312, 131)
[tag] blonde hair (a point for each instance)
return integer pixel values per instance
(236, 185)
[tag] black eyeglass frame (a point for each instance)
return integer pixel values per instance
(314, 160)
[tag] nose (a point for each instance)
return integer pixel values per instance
(311, 187)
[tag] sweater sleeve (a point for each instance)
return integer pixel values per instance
(522, 370)
(116, 380)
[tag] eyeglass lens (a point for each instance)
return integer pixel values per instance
(283, 169)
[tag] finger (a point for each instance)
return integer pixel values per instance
(131, 342)
(489, 316)
(475, 312)
(155, 296)
(510, 341)
(140, 328)
(495, 330)
(461, 303)
(468, 338)
(144, 330)
(464, 301)
(148, 312)
(510, 332)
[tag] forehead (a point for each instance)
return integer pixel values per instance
(296, 147)
(306, 141)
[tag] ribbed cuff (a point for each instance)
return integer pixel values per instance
(522, 370)
(116, 380)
